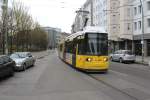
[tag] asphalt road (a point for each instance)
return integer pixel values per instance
(51, 79)
(130, 79)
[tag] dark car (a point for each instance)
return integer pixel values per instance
(6, 66)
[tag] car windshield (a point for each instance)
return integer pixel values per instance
(14, 56)
(128, 52)
(97, 44)
(22, 55)
(18, 55)
(93, 44)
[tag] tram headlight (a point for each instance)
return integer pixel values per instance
(105, 59)
(89, 59)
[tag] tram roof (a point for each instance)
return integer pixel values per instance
(94, 29)
(89, 29)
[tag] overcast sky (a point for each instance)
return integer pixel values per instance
(54, 13)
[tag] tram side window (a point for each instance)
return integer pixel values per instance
(69, 47)
(81, 47)
(74, 47)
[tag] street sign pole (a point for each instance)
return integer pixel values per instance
(142, 36)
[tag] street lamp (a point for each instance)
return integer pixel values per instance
(142, 36)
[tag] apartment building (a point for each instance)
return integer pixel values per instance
(83, 17)
(125, 25)
(54, 35)
(122, 19)
(137, 26)
(125, 22)
(91, 14)
(113, 23)
(78, 23)
(99, 14)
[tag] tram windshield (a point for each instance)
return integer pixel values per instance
(95, 44)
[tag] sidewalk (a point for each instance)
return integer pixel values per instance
(41, 54)
(146, 60)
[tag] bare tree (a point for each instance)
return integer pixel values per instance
(24, 34)
(39, 38)
(23, 24)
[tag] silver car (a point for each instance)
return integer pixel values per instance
(123, 56)
(23, 60)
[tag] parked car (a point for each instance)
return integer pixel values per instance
(6, 66)
(23, 60)
(123, 56)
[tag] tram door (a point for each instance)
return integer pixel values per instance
(74, 55)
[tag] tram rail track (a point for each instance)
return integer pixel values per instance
(111, 86)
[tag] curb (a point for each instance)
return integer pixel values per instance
(41, 57)
(141, 63)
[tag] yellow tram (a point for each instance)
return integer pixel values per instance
(86, 50)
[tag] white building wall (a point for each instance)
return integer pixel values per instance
(80, 17)
(99, 15)
(137, 17)
(125, 10)
(87, 7)
(113, 19)
(99, 18)
(120, 19)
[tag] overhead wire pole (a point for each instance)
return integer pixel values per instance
(142, 36)
(4, 31)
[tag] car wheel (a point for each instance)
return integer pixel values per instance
(24, 67)
(11, 73)
(121, 60)
(133, 61)
(33, 63)
(111, 59)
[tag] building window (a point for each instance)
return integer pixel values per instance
(139, 24)
(148, 5)
(128, 11)
(135, 10)
(128, 26)
(148, 21)
(139, 9)
(135, 26)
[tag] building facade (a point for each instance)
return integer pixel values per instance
(113, 25)
(120, 24)
(99, 14)
(83, 17)
(137, 26)
(125, 25)
(53, 36)
(91, 14)
(122, 19)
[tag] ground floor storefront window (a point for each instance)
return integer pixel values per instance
(148, 47)
(138, 47)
